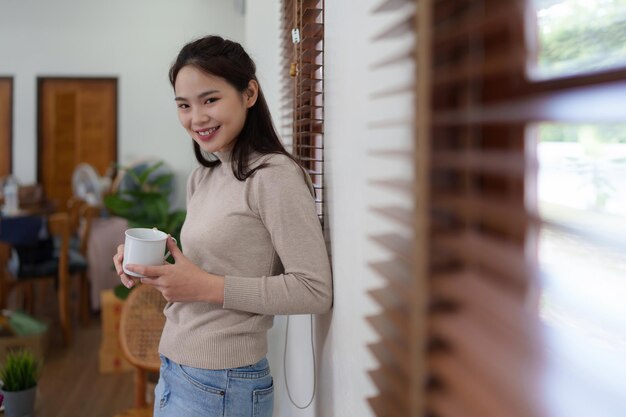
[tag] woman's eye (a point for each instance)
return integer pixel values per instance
(183, 106)
(211, 100)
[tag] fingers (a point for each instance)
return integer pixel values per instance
(147, 271)
(127, 281)
(173, 248)
(118, 260)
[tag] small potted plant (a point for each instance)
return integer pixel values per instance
(19, 377)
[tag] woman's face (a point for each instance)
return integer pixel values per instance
(211, 109)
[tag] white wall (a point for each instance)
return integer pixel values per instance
(350, 141)
(262, 37)
(135, 41)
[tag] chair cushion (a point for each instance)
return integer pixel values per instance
(49, 267)
(39, 269)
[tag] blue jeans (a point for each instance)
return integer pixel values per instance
(183, 391)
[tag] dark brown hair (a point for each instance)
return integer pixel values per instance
(228, 60)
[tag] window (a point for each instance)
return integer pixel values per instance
(578, 36)
(581, 188)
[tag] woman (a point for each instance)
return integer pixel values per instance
(253, 245)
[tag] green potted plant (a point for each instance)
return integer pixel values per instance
(19, 376)
(144, 202)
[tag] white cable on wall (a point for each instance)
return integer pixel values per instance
(285, 367)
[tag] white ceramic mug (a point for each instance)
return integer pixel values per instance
(144, 246)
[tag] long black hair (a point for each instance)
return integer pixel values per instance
(228, 60)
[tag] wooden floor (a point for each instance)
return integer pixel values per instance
(71, 386)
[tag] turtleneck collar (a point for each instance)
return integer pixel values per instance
(224, 156)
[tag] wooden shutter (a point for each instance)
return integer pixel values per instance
(401, 324)
(476, 225)
(481, 262)
(6, 125)
(302, 91)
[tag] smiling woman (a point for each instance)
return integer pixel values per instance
(253, 244)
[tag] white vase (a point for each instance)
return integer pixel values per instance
(20, 403)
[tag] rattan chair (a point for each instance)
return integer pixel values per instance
(141, 325)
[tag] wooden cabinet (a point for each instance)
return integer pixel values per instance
(77, 123)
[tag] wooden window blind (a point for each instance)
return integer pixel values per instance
(6, 125)
(302, 94)
(460, 332)
(401, 323)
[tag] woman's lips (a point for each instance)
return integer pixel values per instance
(206, 135)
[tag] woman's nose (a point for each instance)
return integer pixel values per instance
(199, 115)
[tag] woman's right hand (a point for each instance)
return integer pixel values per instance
(118, 260)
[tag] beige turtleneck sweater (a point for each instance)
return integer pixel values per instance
(264, 236)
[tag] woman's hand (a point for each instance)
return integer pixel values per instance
(181, 281)
(118, 260)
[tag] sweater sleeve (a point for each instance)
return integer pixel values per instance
(287, 209)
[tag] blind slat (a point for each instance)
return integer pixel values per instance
(390, 5)
(383, 406)
(397, 29)
(474, 22)
(389, 324)
(406, 154)
(386, 356)
(472, 68)
(499, 162)
(395, 58)
(311, 4)
(396, 271)
(398, 214)
(399, 245)
(311, 14)
(493, 303)
(312, 30)
(497, 213)
(310, 54)
(393, 91)
(311, 42)
(403, 186)
(384, 124)
(389, 385)
(499, 256)
(601, 103)
(445, 405)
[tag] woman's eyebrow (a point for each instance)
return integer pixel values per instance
(201, 95)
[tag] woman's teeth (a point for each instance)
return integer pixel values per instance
(208, 131)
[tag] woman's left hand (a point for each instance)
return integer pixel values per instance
(182, 281)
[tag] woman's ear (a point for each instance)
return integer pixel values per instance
(251, 93)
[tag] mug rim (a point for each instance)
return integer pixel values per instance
(163, 234)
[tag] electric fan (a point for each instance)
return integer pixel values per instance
(88, 185)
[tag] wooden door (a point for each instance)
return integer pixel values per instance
(77, 123)
(6, 125)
